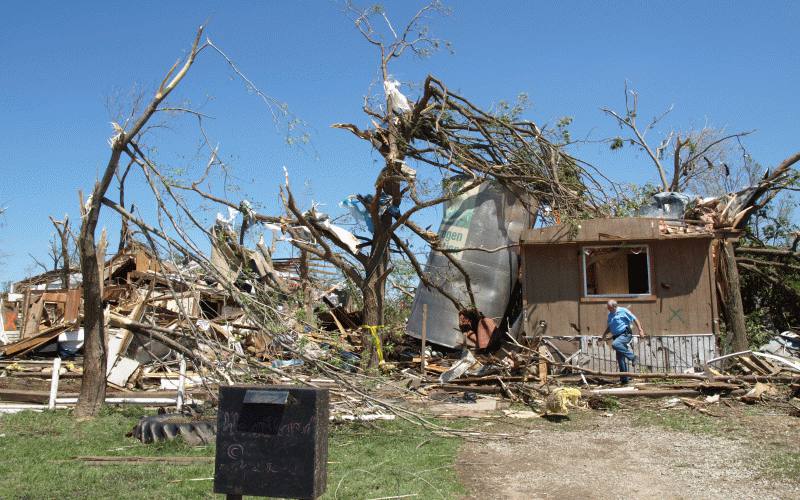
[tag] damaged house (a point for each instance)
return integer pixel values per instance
(41, 317)
(662, 270)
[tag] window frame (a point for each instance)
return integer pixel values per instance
(584, 275)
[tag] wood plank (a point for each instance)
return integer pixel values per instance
(72, 309)
(766, 366)
(748, 363)
(628, 393)
(543, 364)
(33, 316)
(436, 368)
(175, 460)
(481, 389)
(24, 313)
(28, 344)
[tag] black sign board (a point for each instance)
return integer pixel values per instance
(272, 441)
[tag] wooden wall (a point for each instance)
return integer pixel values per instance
(551, 281)
(683, 300)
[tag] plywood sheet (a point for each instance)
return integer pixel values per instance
(596, 230)
(122, 371)
(682, 301)
(550, 286)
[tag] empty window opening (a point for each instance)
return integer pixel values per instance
(616, 271)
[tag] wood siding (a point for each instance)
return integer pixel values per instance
(682, 302)
(551, 288)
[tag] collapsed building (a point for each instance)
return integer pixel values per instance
(41, 316)
(547, 287)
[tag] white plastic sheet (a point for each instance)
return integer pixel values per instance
(397, 101)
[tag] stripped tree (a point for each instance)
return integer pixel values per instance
(700, 158)
(93, 385)
(442, 133)
(64, 234)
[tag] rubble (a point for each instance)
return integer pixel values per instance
(158, 315)
(177, 330)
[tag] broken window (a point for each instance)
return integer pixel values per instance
(617, 270)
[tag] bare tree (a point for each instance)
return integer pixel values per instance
(440, 131)
(93, 386)
(692, 154)
(700, 158)
(124, 230)
(445, 134)
(740, 209)
(64, 234)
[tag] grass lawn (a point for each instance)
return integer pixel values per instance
(37, 451)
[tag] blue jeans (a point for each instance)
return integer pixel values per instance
(621, 344)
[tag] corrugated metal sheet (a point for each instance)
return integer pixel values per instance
(657, 353)
(489, 217)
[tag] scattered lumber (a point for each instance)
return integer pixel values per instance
(41, 397)
(480, 389)
(624, 392)
(134, 460)
(22, 347)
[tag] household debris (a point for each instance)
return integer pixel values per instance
(178, 330)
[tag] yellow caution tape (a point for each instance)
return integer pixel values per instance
(373, 329)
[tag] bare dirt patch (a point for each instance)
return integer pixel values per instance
(642, 453)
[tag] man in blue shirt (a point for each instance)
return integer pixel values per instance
(619, 325)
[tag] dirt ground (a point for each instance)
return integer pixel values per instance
(39, 384)
(646, 452)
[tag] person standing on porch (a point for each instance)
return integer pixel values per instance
(619, 325)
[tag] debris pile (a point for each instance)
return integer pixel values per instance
(159, 316)
(174, 334)
(176, 329)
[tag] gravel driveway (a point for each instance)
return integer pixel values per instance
(619, 456)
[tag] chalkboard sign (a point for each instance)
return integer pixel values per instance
(272, 441)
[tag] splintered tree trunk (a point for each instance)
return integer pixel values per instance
(732, 307)
(124, 234)
(93, 383)
(63, 235)
(65, 271)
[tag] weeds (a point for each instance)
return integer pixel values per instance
(388, 459)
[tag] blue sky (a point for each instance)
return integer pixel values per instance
(728, 64)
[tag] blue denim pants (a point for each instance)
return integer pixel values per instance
(621, 344)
